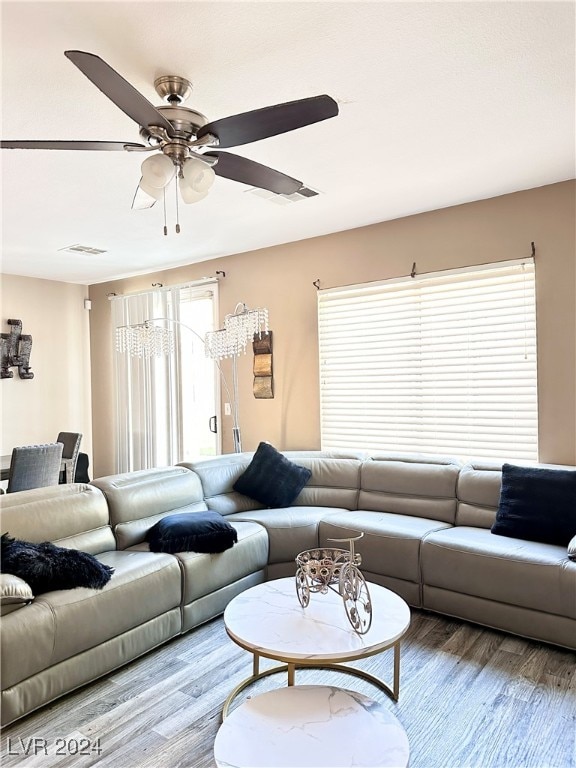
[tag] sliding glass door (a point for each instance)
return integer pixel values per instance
(201, 434)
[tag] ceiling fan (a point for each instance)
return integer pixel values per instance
(183, 141)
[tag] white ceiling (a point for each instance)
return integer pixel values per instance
(440, 104)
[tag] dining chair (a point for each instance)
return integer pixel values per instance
(81, 475)
(34, 466)
(71, 442)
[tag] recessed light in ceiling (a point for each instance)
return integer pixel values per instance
(77, 248)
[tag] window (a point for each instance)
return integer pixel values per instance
(440, 363)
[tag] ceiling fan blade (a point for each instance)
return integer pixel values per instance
(241, 169)
(119, 90)
(142, 200)
(90, 145)
(270, 121)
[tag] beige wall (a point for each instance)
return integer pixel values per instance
(280, 278)
(58, 398)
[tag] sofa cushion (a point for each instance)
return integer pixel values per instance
(476, 562)
(271, 478)
(290, 530)
(192, 532)
(144, 585)
(61, 625)
(391, 543)
(537, 504)
(46, 567)
(203, 574)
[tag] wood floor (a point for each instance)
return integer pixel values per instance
(469, 698)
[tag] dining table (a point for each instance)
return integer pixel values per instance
(66, 466)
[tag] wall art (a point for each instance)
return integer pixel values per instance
(263, 386)
(15, 348)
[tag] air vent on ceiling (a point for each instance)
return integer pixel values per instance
(303, 194)
(77, 248)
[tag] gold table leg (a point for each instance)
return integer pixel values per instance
(393, 692)
(245, 683)
(396, 682)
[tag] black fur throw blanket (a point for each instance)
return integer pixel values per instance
(46, 567)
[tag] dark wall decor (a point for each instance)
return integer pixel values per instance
(15, 348)
(263, 386)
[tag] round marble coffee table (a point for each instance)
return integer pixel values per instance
(309, 725)
(269, 621)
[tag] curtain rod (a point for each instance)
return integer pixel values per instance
(159, 286)
(413, 273)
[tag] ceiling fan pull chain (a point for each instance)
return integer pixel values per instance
(177, 210)
(164, 200)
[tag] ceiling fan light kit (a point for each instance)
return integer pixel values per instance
(157, 171)
(195, 177)
(198, 174)
(185, 142)
(189, 194)
(156, 193)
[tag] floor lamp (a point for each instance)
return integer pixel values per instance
(148, 339)
(231, 341)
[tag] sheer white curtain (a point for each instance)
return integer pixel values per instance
(148, 401)
(164, 405)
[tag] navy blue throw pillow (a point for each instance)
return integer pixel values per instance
(537, 504)
(271, 478)
(192, 532)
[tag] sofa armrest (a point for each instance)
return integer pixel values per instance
(14, 593)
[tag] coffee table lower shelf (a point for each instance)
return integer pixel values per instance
(303, 725)
(291, 666)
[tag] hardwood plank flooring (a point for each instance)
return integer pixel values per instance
(469, 698)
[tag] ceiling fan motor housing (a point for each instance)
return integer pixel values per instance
(185, 121)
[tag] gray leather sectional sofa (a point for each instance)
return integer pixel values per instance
(426, 522)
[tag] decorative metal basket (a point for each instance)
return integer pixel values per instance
(337, 569)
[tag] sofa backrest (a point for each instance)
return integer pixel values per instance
(335, 480)
(70, 515)
(217, 476)
(410, 484)
(479, 488)
(137, 500)
(334, 483)
(479, 493)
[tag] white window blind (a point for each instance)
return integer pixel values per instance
(443, 363)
